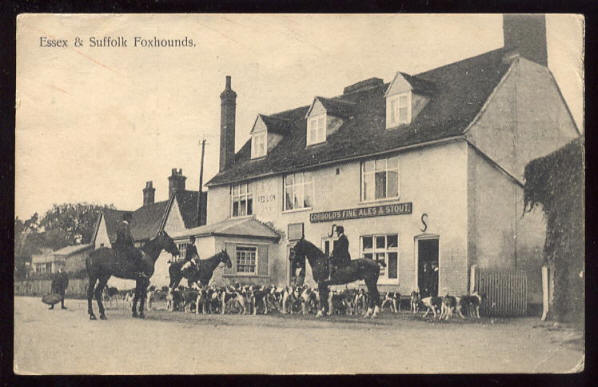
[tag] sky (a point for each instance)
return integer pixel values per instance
(93, 124)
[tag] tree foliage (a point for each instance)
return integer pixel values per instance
(556, 182)
(62, 225)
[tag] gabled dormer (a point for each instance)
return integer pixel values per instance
(266, 133)
(406, 96)
(324, 117)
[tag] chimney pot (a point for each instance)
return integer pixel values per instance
(176, 182)
(148, 193)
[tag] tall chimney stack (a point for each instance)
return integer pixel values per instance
(148, 193)
(527, 34)
(176, 182)
(228, 104)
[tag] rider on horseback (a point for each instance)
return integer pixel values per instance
(124, 245)
(191, 256)
(340, 253)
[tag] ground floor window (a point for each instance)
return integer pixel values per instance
(382, 247)
(182, 249)
(246, 259)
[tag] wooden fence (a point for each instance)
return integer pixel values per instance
(77, 288)
(506, 292)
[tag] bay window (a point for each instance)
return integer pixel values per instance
(246, 257)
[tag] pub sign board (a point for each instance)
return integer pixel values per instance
(362, 212)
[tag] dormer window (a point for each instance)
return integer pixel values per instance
(406, 97)
(398, 109)
(258, 145)
(316, 129)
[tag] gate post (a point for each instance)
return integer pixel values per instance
(472, 278)
(545, 293)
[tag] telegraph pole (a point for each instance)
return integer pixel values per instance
(200, 199)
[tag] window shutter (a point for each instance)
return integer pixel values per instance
(262, 260)
(232, 253)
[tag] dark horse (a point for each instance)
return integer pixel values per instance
(359, 269)
(103, 263)
(203, 274)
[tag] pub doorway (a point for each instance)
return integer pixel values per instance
(427, 266)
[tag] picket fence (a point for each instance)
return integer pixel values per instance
(506, 292)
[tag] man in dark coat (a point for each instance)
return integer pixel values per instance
(59, 285)
(124, 245)
(340, 252)
(191, 256)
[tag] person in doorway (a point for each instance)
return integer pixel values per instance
(340, 252)
(298, 270)
(426, 276)
(191, 256)
(434, 280)
(59, 285)
(124, 246)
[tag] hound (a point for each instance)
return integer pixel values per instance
(394, 300)
(414, 301)
(432, 304)
(448, 306)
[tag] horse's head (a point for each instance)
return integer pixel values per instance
(166, 242)
(224, 258)
(299, 250)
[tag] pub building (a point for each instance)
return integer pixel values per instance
(425, 172)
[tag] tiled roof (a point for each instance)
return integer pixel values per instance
(69, 250)
(148, 219)
(420, 85)
(338, 107)
(247, 227)
(460, 91)
(276, 125)
(187, 201)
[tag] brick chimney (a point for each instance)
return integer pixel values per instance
(527, 34)
(228, 104)
(176, 182)
(148, 193)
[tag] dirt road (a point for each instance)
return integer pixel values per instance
(66, 342)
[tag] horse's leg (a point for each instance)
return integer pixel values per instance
(144, 283)
(135, 298)
(90, 288)
(323, 291)
(98, 293)
(373, 299)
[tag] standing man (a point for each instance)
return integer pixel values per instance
(340, 252)
(59, 285)
(191, 255)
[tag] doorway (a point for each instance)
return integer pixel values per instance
(427, 267)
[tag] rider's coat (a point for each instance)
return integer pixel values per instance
(340, 252)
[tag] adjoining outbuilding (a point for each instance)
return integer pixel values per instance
(251, 245)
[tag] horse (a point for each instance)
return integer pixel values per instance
(103, 263)
(203, 274)
(359, 269)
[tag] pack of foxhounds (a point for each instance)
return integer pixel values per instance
(304, 300)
